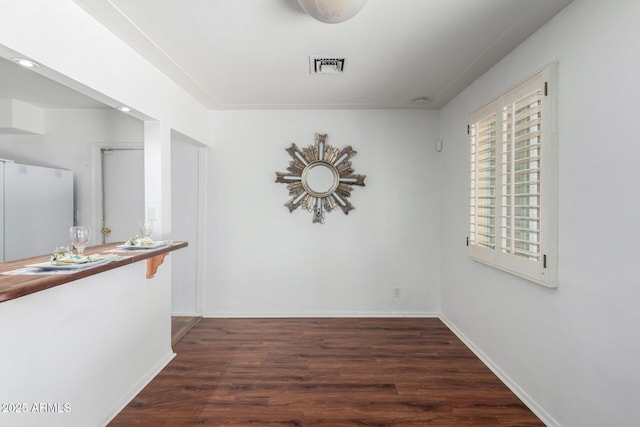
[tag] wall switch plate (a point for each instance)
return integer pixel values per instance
(152, 213)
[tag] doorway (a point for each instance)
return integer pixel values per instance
(122, 193)
(186, 224)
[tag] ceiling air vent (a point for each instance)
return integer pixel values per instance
(326, 65)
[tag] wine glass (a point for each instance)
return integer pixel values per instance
(80, 235)
(145, 228)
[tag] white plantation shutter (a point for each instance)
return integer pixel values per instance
(520, 169)
(482, 223)
(512, 181)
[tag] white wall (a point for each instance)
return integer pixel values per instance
(67, 143)
(88, 346)
(573, 352)
(264, 261)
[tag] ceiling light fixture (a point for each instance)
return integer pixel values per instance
(332, 11)
(26, 63)
(123, 109)
(423, 100)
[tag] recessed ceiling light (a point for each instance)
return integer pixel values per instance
(123, 108)
(26, 63)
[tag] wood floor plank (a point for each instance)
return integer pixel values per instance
(325, 372)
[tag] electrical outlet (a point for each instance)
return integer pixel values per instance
(396, 292)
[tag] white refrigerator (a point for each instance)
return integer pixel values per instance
(36, 210)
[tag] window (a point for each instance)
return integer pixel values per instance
(513, 181)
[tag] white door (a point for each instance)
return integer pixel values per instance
(122, 192)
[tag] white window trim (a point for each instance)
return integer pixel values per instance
(545, 271)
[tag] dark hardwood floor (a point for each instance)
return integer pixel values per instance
(325, 372)
(180, 325)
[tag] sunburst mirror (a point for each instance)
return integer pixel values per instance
(320, 178)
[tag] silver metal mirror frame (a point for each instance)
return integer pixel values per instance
(303, 161)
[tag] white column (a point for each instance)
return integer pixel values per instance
(157, 177)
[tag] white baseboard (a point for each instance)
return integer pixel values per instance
(544, 416)
(138, 386)
(185, 314)
(320, 315)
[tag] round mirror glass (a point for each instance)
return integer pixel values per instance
(320, 179)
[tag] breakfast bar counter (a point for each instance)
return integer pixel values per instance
(18, 285)
(78, 343)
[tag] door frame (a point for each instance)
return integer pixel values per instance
(203, 171)
(96, 203)
(96, 183)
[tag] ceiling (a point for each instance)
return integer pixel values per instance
(255, 54)
(243, 54)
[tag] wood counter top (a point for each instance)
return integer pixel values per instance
(15, 286)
